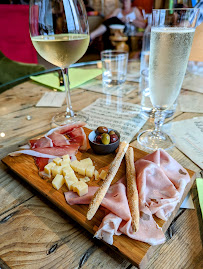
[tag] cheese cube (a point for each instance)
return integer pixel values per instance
(81, 169)
(65, 163)
(85, 179)
(90, 171)
(55, 170)
(86, 162)
(80, 187)
(74, 165)
(72, 176)
(103, 174)
(69, 182)
(48, 167)
(57, 161)
(96, 174)
(58, 182)
(66, 158)
(67, 170)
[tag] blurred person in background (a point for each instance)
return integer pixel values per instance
(121, 16)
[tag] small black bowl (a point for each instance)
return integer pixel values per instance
(101, 148)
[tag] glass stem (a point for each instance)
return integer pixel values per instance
(69, 109)
(158, 121)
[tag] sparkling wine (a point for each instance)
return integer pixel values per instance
(62, 49)
(169, 53)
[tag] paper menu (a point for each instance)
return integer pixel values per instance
(188, 135)
(193, 82)
(123, 117)
(191, 103)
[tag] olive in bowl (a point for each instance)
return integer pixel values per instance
(101, 143)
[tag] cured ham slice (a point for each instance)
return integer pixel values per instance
(58, 140)
(66, 139)
(160, 181)
(41, 162)
(60, 151)
(78, 136)
(43, 142)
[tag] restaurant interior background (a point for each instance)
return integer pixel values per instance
(15, 41)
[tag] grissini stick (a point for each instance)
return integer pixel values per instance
(132, 193)
(100, 193)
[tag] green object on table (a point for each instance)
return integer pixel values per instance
(199, 182)
(77, 76)
(10, 71)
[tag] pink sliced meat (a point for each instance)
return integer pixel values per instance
(66, 128)
(59, 140)
(78, 136)
(62, 136)
(59, 151)
(119, 220)
(43, 142)
(161, 182)
(41, 162)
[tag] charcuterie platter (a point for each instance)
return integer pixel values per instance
(136, 252)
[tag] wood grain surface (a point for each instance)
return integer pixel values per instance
(36, 234)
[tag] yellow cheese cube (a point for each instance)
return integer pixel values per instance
(80, 187)
(86, 162)
(66, 158)
(69, 182)
(74, 165)
(81, 169)
(85, 179)
(103, 174)
(67, 170)
(72, 176)
(56, 170)
(65, 163)
(48, 167)
(96, 174)
(57, 161)
(58, 182)
(90, 171)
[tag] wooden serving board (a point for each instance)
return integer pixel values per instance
(138, 253)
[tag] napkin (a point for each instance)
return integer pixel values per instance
(199, 182)
(77, 77)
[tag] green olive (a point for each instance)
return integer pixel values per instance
(102, 129)
(111, 132)
(105, 138)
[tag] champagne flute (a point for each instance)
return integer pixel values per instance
(60, 33)
(171, 40)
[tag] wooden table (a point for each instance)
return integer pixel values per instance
(36, 234)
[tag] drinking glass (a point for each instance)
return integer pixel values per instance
(114, 67)
(171, 40)
(60, 33)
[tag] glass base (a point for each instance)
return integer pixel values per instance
(153, 141)
(64, 118)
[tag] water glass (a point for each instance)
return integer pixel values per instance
(114, 67)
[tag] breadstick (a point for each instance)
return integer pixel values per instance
(100, 193)
(132, 193)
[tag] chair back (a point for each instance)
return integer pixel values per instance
(15, 40)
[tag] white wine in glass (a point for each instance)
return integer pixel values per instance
(171, 41)
(60, 33)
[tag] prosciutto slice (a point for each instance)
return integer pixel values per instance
(66, 139)
(161, 182)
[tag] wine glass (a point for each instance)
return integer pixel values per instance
(60, 33)
(171, 40)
